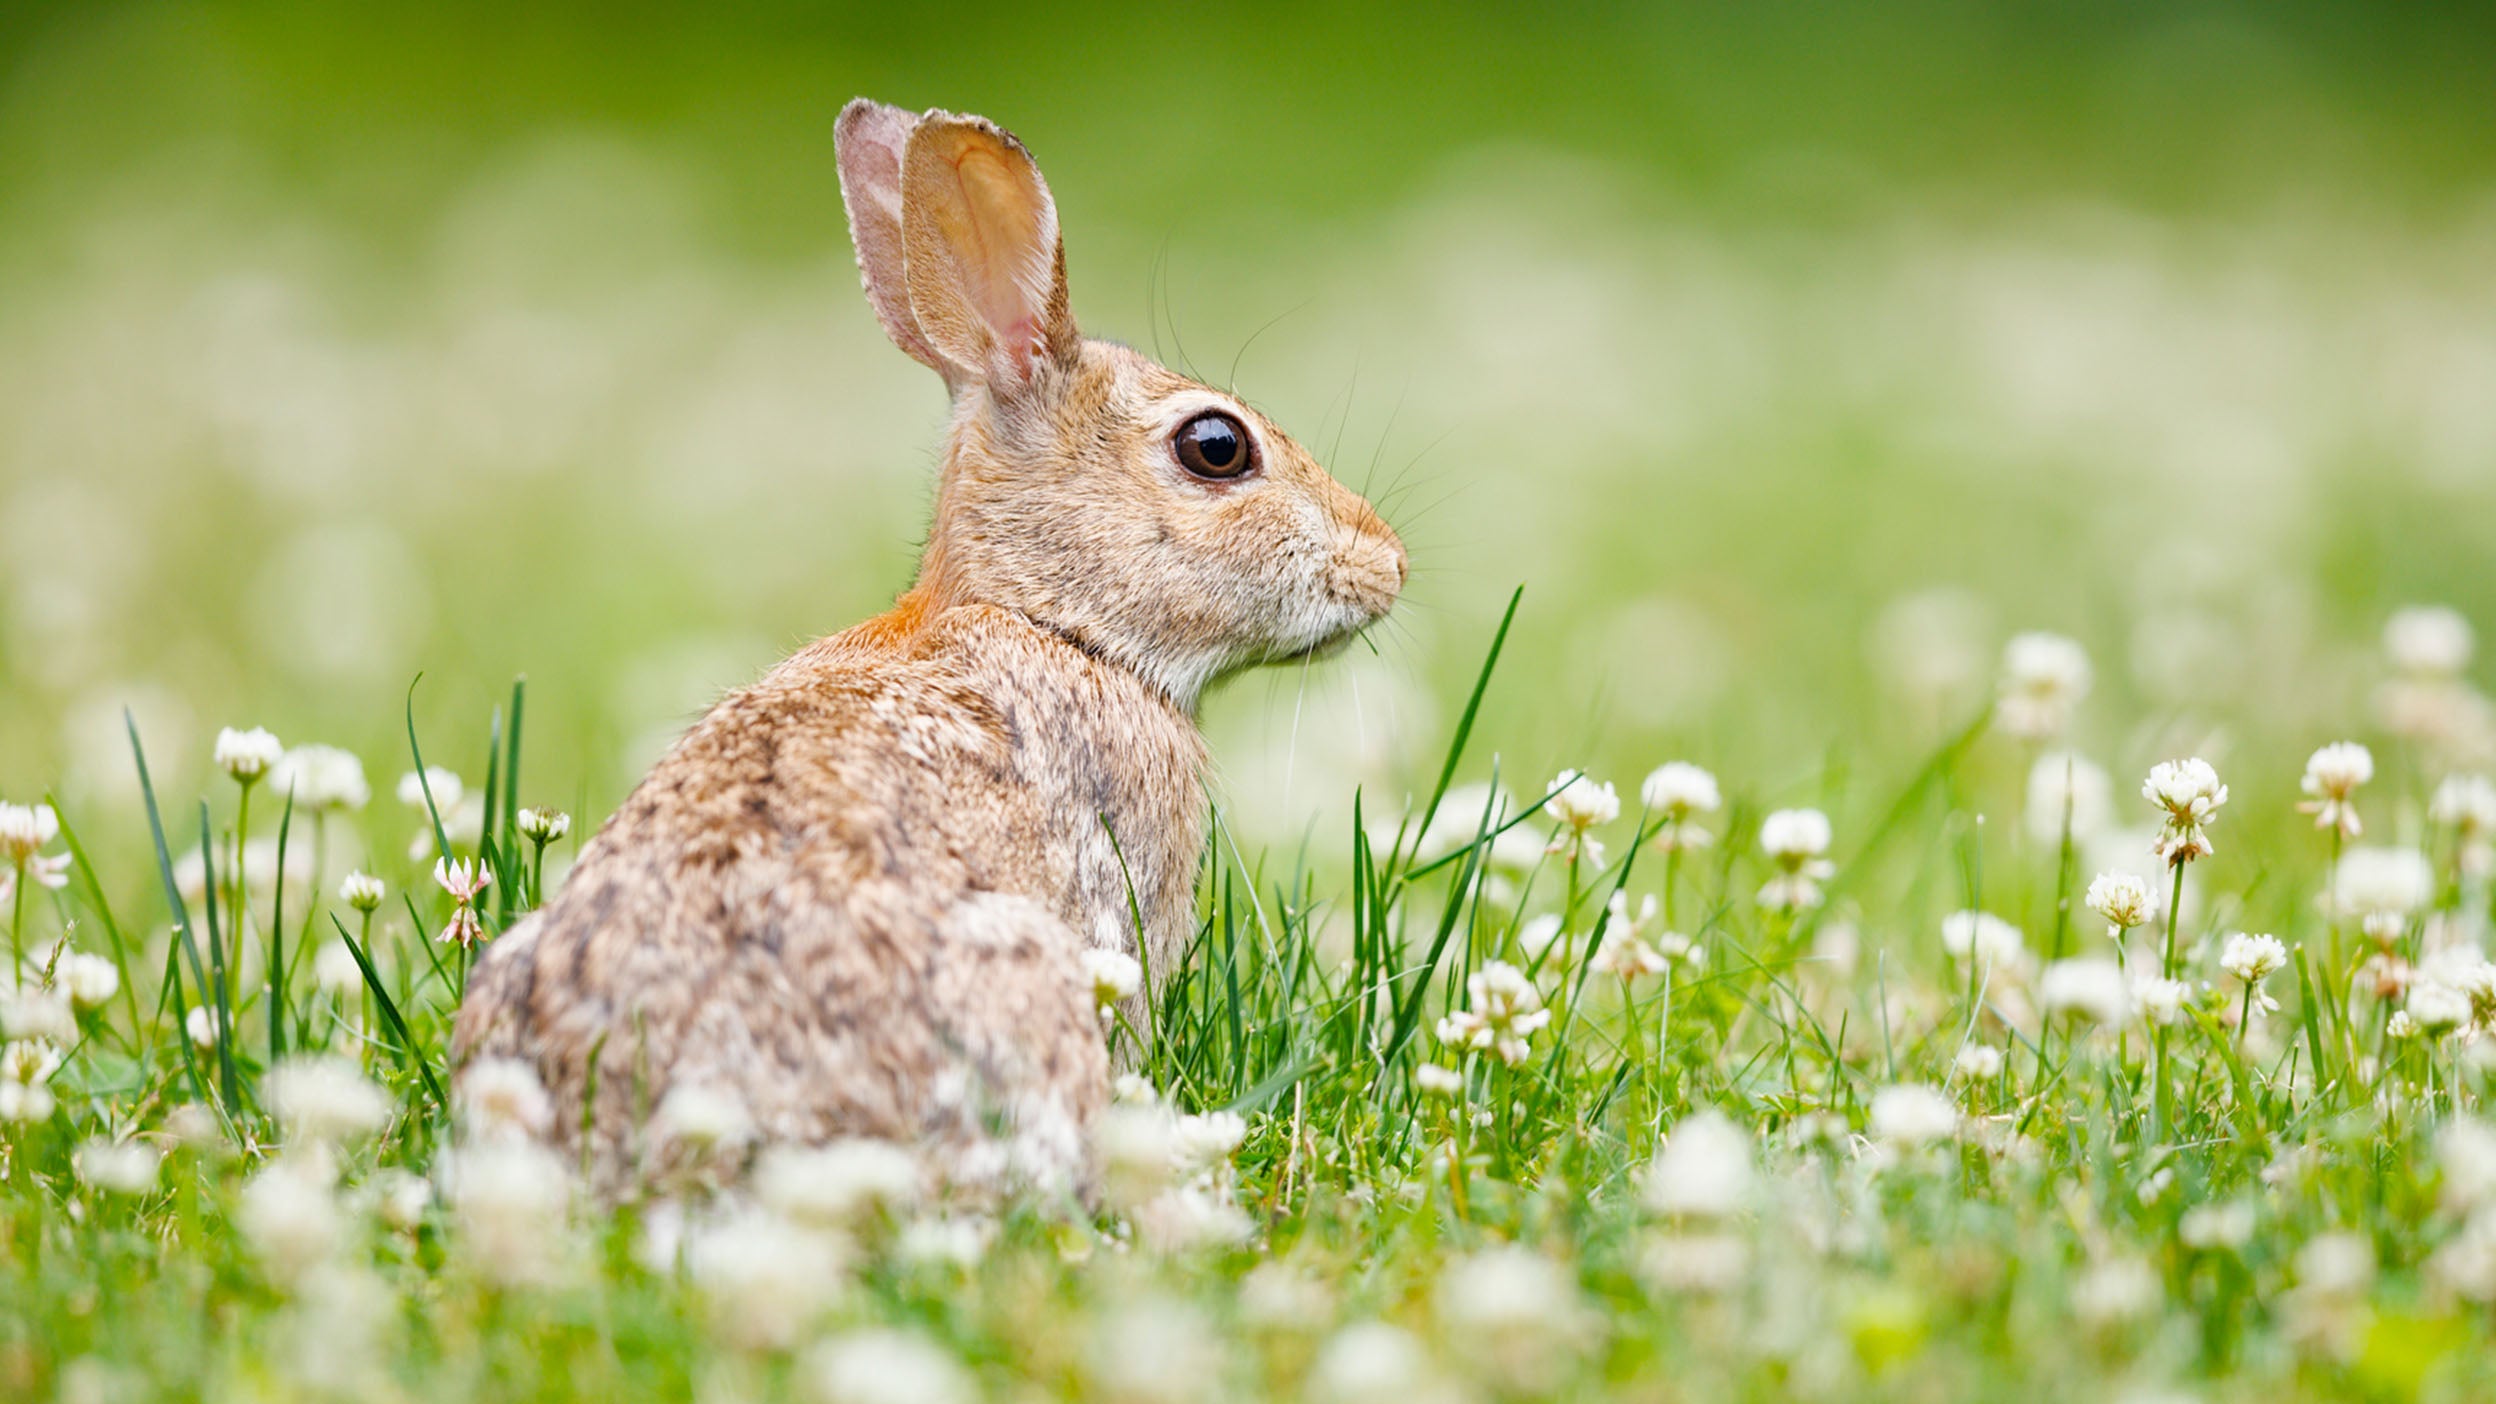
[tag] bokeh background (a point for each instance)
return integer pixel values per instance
(1790, 355)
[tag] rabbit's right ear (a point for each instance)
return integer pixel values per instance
(869, 142)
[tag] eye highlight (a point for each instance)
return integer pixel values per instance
(1214, 445)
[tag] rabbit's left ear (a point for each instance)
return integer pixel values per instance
(986, 269)
(869, 141)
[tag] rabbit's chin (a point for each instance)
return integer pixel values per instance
(1321, 650)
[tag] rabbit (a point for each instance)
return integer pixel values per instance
(856, 896)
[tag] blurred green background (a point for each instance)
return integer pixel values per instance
(1791, 356)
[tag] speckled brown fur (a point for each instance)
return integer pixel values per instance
(856, 893)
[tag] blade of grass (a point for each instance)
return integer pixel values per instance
(390, 1014)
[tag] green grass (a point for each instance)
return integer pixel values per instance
(2092, 1227)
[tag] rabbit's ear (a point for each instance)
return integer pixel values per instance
(869, 140)
(987, 271)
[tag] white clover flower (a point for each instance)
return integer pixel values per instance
(2116, 1290)
(1624, 955)
(334, 971)
(400, 1198)
(323, 779)
(1462, 816)
(1189, 1217)
(543, 825)
(448, 792)
(1578, 802)
(2380, 888)
(874, 1365)
(1155, 1351)
(2428, 641)
(502, 1099)
(2160, 1001)
(1539, 937)
(1115, 976)
(957, 1241)
(89, 980)
(125, 1167)
(26, 830)
(837, 1184)
(1979, 1062)
(1676, 793)
(767, 1279)
(2190, 793)
(248, 755)
(2400, 1028)
(1910, 1114)
(2087, 987)
(1439, 1080)
(2217, 1227)
(2066, 787)
(2123, 899)
(1513, 1312)
(26, 1066)
(2437, 1008)
(1204, 1141)
(1704, 1170)
(1136, 1147)
(2252, 957)
(1795, 840)
(508, 1201)
(2044, 677)
(326, 1099)
(1504, 1013)
(2332, 776)
(2466, 804)
(37, 1011)
(1984, 938)
(361, 890)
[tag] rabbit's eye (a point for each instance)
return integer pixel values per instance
(1214, 445)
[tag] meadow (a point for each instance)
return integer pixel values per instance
(1927, 824)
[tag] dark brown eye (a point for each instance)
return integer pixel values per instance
(1214, 445)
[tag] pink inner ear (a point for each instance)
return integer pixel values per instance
(1013, 239)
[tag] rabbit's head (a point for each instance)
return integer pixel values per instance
(1149, 519)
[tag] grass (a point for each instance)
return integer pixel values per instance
(2231, 1205)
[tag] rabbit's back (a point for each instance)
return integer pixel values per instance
(855, 896)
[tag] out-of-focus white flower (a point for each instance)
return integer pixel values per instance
(1545, 944)
(837, 1184)
(1704, 1170)
(2217, 1227)
(1694, 1262)
(1136, 1147)
(2160, 1001)
(326, 1099)
(335, 972)
(2065, 787)
(945, 1240)
(2429, 641)
(445, 784)
(2400, 1028)
(2087, 987)
(1624, 955)
(502, 1099)
(2332, 776)
(1371, 1362)
(1984, 938)
(1979, 1062)
(2466, 804)
(2252, 957)
(703, 1119)
(1204, 1141)
(322, 778)
(2044, 677)
(203, 1027)
(2465, 1151)
(1515, 1313)
(1580, 803)
(194, 1127)
(2437, 1008)
(1189, 1217)
(879, 1366)
(89, 980)
(361, 890)
(1439, 1080)
(126, 1167)
(1115, 976)
(542, 825)
(508, 1201)
(290, 1214)
(2116, 1290)
(1910, 1114)
(2190, 794)
(25, 830)
(1795, 840)
(26, 1066)
(36, 1011)
(1505, 1013)
(400, 1198)
(2123, 899)
(2340, 1262)
(2380, 888)
(247, 755)
(767, 1279)
(1154, 1351)
(1675, 793)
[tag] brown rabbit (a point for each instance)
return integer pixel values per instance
(857, 895)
